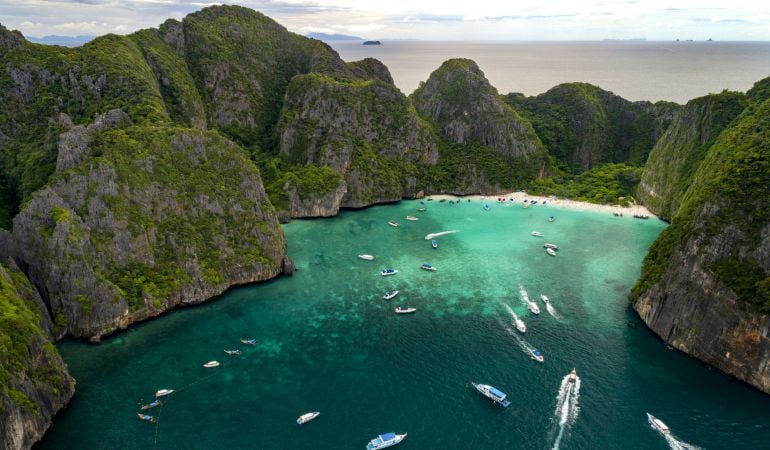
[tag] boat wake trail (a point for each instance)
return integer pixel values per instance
(523, 345)
(552, 311)
(674, 443)
(433, 235)
(518, 322)
(525, 298)
(567, 408)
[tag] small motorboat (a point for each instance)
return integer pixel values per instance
(249, 341)
(307, 417)
(536, 355)
(550, 251)
(421, 209)
(434, 243)
(551, 218)
(162, 392)
(393, 223)
(405, 310)
(544, 299)
(386, 272)
(572, 376)
(390, 294)
(366, 257)
(146, 417)
(537, 234)
(486, 207)
(426, 266)
(385, 440)
(211, 364)
(151, 405)
(520, 325)
(234, 352)
(553, 246)
(533, 307)
(493, 394)
(412, 218)
(657, 423)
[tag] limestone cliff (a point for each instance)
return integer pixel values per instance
(673, 161)
(705, 283)
(34, 383)
(151, 219)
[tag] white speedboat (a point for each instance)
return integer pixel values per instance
(426, 266)
(533, 307)
(211, 364)
(657, 423)
(553, 246)
(412, 218)
(146, 417)
(393, 223)
(520, 325)
(162, 392)
(405, 310)
(572, 376)
(551, 218)
(537, 234)
(386, 272)
(249, 341)
(536, 355)
(233, 352)
(421, 210)
(366, 257)
(307, 417)
(390, 294)
(493, 394)
(385, 440)
(544, 299)
(550, 251)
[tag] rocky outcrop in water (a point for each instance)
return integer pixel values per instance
(34, 383)
(705, 283)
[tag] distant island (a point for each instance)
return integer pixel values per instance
(333, 37)
(372, 43)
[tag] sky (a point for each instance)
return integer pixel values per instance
(735, 20)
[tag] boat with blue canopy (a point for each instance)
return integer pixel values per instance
(492, 393)
(434, 243)
(385, 440)
(426, 266)
(386, 272)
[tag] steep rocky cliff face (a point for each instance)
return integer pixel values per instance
(705, 283)
(485, 145)
(151, 219)
(584, 126)
(676, 156)
(34, 383)
(366, 131)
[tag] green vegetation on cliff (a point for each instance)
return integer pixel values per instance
(606, 184)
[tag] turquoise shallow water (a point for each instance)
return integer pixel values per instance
(330, 343)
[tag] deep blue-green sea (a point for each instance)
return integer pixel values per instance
(329, 342)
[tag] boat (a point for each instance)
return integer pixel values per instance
(249, 341)
(572, 376)
(162, 392)
(657, 423)
(151, 405)
(537, 234)
(550, 251)
(211, 364)
(412, 218)
(233, 352)
(307, 417)
(533, 307)
(386, 272)
(544, 298)
(493, 394)
(536, 355)
(366, 257)
(426, 266)
(486, 207)
(145, 417)
(551, 218)
(434, 243)
(553, 246)
(390, 294)
(405, 310)
(385, 440)
(421, 210)
(393, 223)
(520, 325)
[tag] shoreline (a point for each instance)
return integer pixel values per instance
(551, 201)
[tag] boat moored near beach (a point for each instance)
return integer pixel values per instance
(386, 272)
(426, 266)
(405, 310)
(211, 364)
(307, 417)
(551, 218)
(162, 392)
(553, 246)
(657, 423)
(390, 294)
(233, 352)
(146, 418)
(412, 218)
(385, 440)
(393, 223)
(537, 234)
(366, 257)
(151, 405)
(493, 394)
(249, 341)
(550, 251)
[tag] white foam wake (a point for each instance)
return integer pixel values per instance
(673, 442)
(516, 321)
(567, 408)
(552, 311)
(433, 235)
(525, 298)
(523, 345)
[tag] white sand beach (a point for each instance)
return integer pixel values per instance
(550, 202)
